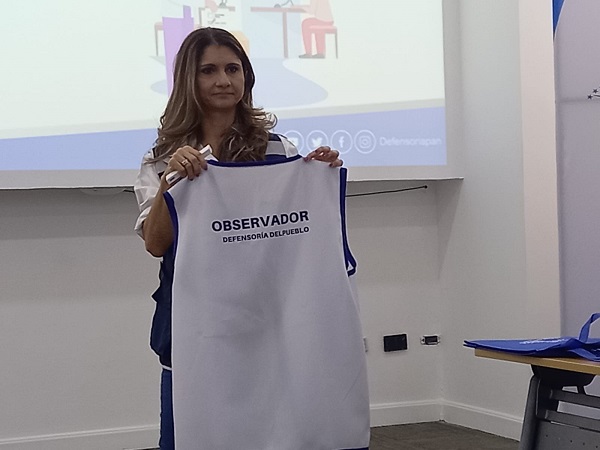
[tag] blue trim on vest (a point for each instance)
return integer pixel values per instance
(266, 162)
(349, 258)
(160, 333)
(556, 9)
(174, 220)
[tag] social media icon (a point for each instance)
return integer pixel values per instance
(316, 139)
(296, 138)
(341, 141)
(365, 141)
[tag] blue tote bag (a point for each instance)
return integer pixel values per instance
(582, 346)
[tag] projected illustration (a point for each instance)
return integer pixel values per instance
(365, 78)
(313, 21)
(318, 25)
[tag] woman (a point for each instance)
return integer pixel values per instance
(211, 104)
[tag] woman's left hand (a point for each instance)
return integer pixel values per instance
(325, 154)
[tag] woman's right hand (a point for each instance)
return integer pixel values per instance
(187, 162)
(158, 228)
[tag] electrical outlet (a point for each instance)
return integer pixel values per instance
(430, 339)
(395, 342)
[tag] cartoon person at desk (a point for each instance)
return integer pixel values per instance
(321, 19)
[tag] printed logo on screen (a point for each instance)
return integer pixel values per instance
(296, 138)
(316, 139)
(365, 141)
(341, 141)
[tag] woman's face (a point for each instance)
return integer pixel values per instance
(221, 79)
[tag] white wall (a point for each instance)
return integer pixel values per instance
(74, 315)
(499, 250)
(467, 259)
(579, 160)
(394, 239)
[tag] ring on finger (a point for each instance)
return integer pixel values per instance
(185, 162)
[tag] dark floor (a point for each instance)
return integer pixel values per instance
(436, 436)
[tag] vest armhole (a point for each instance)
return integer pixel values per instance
(348, 256)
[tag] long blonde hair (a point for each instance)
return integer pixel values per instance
(181, 121)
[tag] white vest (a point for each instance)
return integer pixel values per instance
(267, 343)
